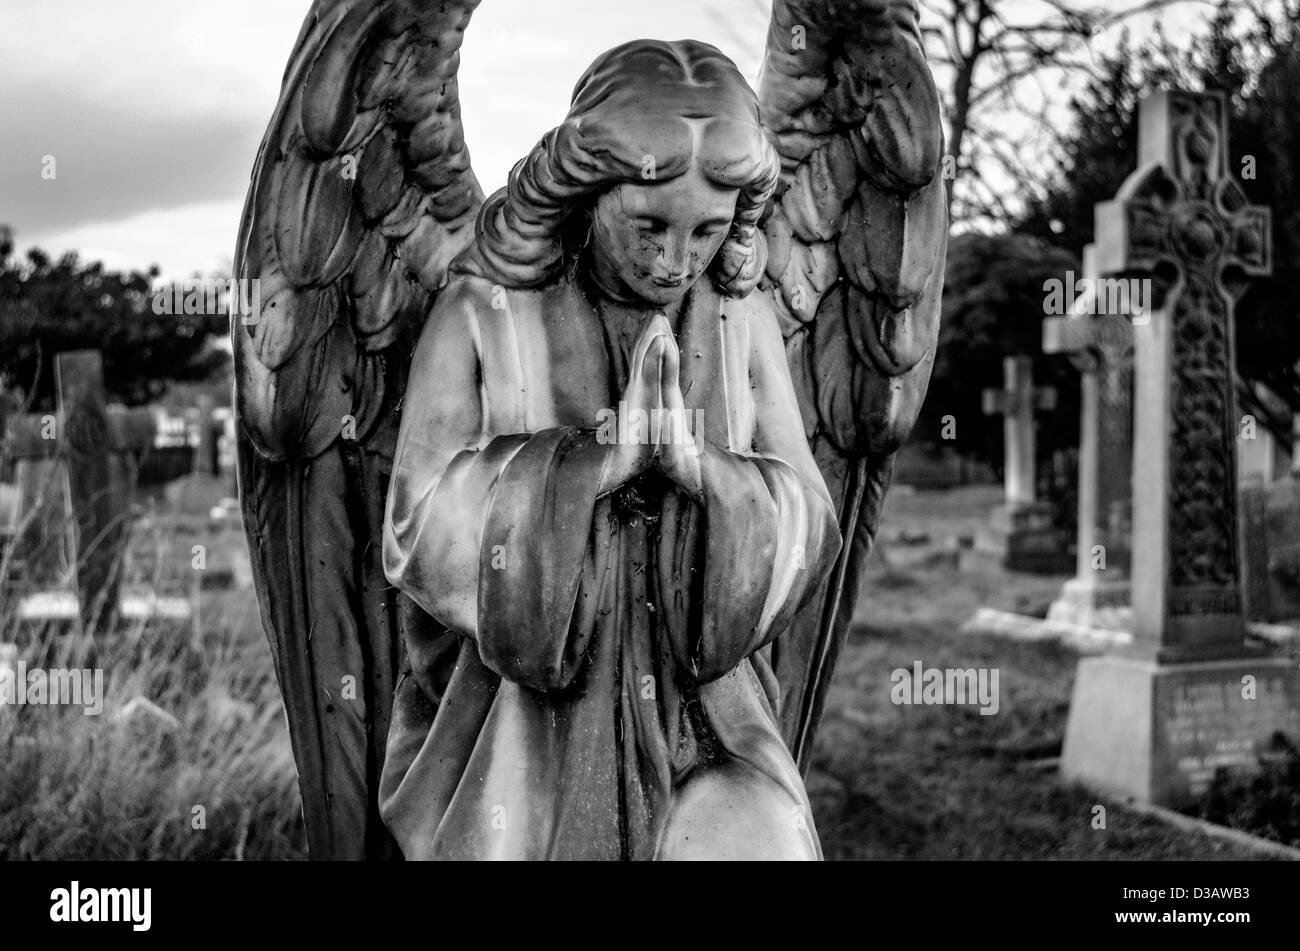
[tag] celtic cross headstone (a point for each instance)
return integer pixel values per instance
(1190, 696)
(1100, 345)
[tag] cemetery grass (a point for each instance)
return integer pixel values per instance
(190, 757)
(888, 782)
(945, 782)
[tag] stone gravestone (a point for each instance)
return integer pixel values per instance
(1264, 443)
(200, 491)
(1252, 506)
(43, 547)
(1270, 510)
(1282, 531)
(1020, 530)
(1270, 539)
(76, 473)
(1157, 720)
(1100, 345)
(1263, 455)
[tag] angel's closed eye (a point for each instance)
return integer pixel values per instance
(651, 225)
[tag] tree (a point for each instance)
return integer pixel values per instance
(994, 298)
(47, 307)
(995, 60)
(1099, 150)
(1267, 131)
(1257, 65)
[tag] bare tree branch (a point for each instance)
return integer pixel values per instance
(999, 57)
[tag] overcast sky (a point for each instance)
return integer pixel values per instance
(153, 109)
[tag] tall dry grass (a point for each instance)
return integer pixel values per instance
(189, 759)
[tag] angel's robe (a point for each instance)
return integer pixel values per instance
(611, 696)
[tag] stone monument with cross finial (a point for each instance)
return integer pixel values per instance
(1098, 337)
(1189, 696)
(1020, 529)
(76, 473)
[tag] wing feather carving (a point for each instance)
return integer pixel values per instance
(361, 195)
(856, 239)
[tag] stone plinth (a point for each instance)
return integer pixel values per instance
(1158, 732)
(1093, 602)
(1190, 696)
(1025, 539)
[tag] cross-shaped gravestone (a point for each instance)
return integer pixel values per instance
(1100, 345)
(1182, 222)
(1016, 402)
(1190, 697)
(76, 472)
(1020, 530)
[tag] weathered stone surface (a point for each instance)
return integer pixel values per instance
(1016, 403)
(1100, 345)
(1157, 731)
(846, 121)
(1191, 696)
(1020, 531)
(76, 471)
(1279, 581)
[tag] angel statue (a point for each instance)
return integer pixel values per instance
(559, 502)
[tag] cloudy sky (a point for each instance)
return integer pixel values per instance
(153, 109)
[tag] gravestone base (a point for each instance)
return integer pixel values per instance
(1158, 732)
(1089, 602)
(1023, 537)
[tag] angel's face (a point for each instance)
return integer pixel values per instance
(653, 241)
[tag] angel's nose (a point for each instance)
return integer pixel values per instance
(673, 257)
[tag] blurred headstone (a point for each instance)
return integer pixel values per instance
(203, 489)
(1252, 499)
(937, 467)
(1100, 345)
(1021, 529)
(1190, 697)
(76, 474)
(44, 549)
(1270, 536)
(1263, 444)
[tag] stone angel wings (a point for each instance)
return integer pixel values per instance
(364, 218)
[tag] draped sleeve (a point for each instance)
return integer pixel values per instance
(487, 527)
(767, 531)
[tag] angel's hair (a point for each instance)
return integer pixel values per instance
(643, 111)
